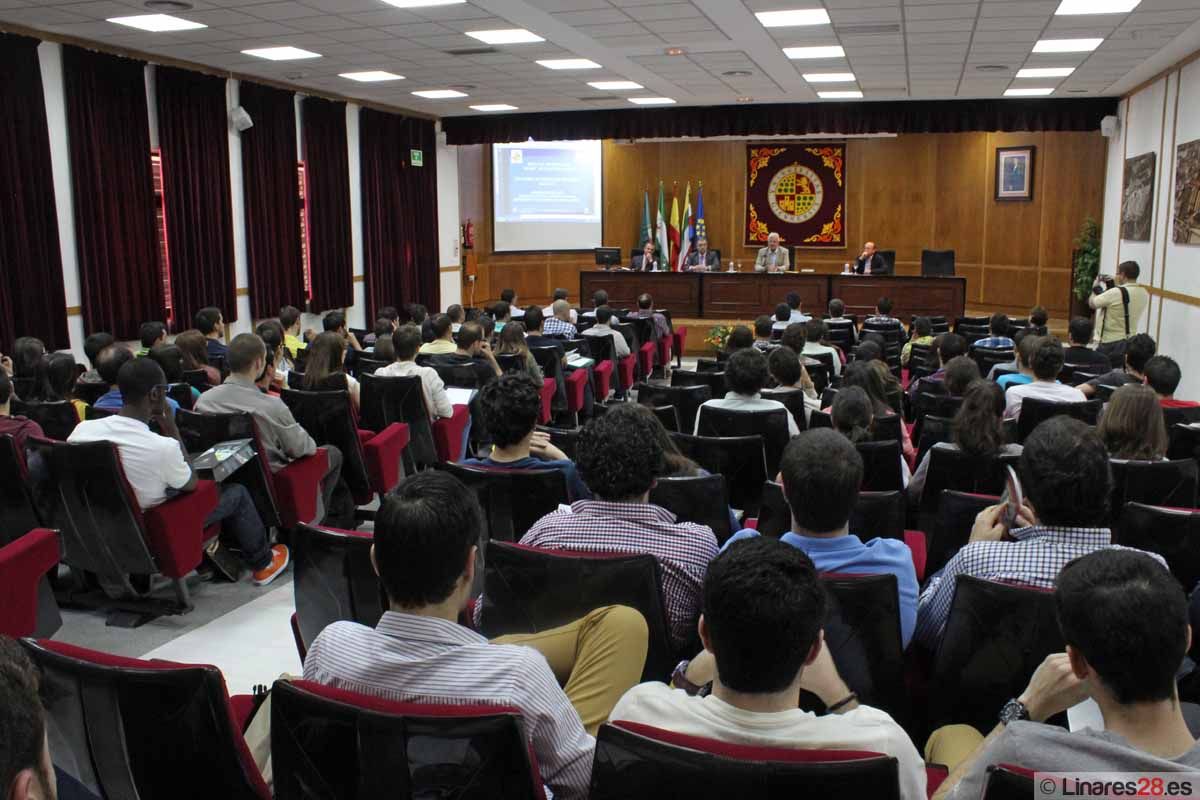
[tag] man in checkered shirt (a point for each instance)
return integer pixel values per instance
(1067, 484)
(558, 320)
(618, 456)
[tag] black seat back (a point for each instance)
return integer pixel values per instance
(1157, 483)
(702, 499)
(201, 431)
(793, 401)
(527, 590)
(637, 762)
(181, 393)
(937, 262)
(18, 515)
(930, 430)
(334, 579)
(1181, 416)
(511, 362)
(881, 465)
(1173, 533)
(564, 439)
(512, 499)
(399, 399)
(878, 515)
(996, 636)
(91, 391)
(771, 425)
(1035, 411)
(134, 729)
(56, 420)
(327, 417)
(462, 376)
(367, 366)
(950, 468)
(1185, 442)
(328, 743)
(687, 400)
(862, 629)
(951, 526)
(1006, 782)
(739, 458)
(713, 379)
(886, 428)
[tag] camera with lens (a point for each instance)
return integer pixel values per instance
(1103, 283)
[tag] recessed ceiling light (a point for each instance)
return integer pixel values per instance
(494, 107)
(652, 101)
(991, 68)
(1045, 72)
(371, 76)
(1066, 45)
(439, 94)
(745, 99)
(569, 63)
(824, 51)
(157, 23)
(614, 86)
(1027, 92)
(281, 53)
(737, 73)
(1067, 7)
(506, 36)
(796, 16)
(423, 3)
(848, 95)
(1077, 91)
(829, 77)
(167, 5)
(675, 51)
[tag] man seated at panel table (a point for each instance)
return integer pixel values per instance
(772, 258)
(870, 262)
(702, 259)
(645, 261)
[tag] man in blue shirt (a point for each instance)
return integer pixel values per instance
(211, 323)
(998, 328)
(510, 405)
(822, 472)
(108, 364)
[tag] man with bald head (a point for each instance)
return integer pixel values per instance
(772, 258)
(870, 262)
(559, 324)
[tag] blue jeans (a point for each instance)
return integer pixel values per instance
(239, 519)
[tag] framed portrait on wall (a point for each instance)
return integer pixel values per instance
(1014, 172)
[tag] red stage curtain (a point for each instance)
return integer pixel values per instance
(326, 164)
(399, 209)
(194, 141)
(31, 282)
(272, 198)
(109, 142)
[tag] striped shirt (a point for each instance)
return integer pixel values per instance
(683, 549)
(1034, 559)
(409, 658)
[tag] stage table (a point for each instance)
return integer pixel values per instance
(745, 295)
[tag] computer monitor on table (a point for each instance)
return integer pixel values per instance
(608, 257)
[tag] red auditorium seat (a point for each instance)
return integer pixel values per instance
(678, 343)
(140, 728)
(573, 383)
(333, 579)
(635, 761)
(24, 593)
(328, 742)
(512, 499)
(388, 400)
(17, 512)
(604, 353)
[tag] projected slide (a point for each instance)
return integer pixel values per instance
(546, 196)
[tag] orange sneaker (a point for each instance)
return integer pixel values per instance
(280, 558)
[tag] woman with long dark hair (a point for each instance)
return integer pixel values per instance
(57, 374)
(511, 341)
(194, 349)
(869, 376)
(325, 367)
(1133, 428)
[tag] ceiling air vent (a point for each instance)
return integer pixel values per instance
(471, 51)
(598, 98)
(867, 29)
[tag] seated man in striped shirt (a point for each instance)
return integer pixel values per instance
(426, 548)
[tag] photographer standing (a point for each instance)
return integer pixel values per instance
(1122, 302)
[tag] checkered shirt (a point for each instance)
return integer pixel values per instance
(995, 343)
(683, 549)
(553, 326)
(1034, 559)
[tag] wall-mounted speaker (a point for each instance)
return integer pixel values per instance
(239, 118)
(1109, 126)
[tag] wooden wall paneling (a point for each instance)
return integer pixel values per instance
(625, 177)
(1054, 290)
(1074, 166)
(974, 275)
(1014, 226)
(1011, 286)
(899, 197)
(960, 169)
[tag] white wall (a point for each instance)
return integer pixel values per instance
(450, 280)
(1158, 118)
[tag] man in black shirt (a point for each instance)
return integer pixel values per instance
(473, 350)
(1079, 354)
(1139, 350)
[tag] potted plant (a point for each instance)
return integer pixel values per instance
(1085, 265)
(716, 337)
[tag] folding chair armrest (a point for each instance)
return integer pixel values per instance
(448, 432)
(917, 544)
(576, 386)
(23, 563)
(298, 488)
(382, 453)
(549, 389)
(175, 529)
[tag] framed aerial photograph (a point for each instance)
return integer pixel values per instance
(1137, 200)
(1187, 193)
(1014, 172)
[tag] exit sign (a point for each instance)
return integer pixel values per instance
(416, 158)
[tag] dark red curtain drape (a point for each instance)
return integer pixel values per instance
(272, 199)
(109, 142)
(194, 142)
(399, 210)
(31, 280)
(326, 161)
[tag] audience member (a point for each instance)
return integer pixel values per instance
(325, 370)
(816, 343)
(335, 322)
(1079, 335)
(762, 333)
(512, 342)
(386, 321)
(509, 296)
(1046, 365)
(192, 345)
(868, 350)
(599, 298)
(1163, 376)
(502, 314)
(1138, 350)
(1027, 347)
(1125, 623)
(1121, 308)
(978, 430)
(26, 772)
(869, 376)
(457, 316)
(511, 405)
(763, 643)
(853, 414)
(426, 546)
(739, 338)
(551, 311)
(419, 315)
(1067, 484)
(284, 438)
(279, 358)
(27, 355)
(57, 376)
(1132, 427)
(837, 317)
(92, 346)
(473, 350)
(619, 457)
(883, 314)
(384, 350)
(783, 317)
(795, 338)
(794, 313)
(405, 343)
(1038, 321)
(18, 427)
(960, 373)
(560, 319)
(948, 346)
(645, 310)
(155, 467)
(745, 376)
(535, 335)
(922, 336)
(151, 334)
(788, 373)
(821, 472)
(443, 337)
(170, 358)
(109, 364)
(603, 327)
(289, 318)
(211, 325)
(999, 327)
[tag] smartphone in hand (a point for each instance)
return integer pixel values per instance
(1013, 499)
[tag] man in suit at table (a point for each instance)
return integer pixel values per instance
(870, 262)
(645, 260)
(772, 258)
(702, 259)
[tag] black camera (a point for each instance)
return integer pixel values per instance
(1103, 283)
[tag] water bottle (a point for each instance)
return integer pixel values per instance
(731, 265)
(846, 268)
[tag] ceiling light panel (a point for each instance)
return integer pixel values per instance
(281, 53)
(569, 63)
(440, 94)
(793, 17)
(846, 95)
(506, 36)
(371, 76)
(1045, 72)
(614, 86)
(829, 77)
(423, 3)
(1039, 92)
(157, 23)
(494, 107)
(822, 51)
(1079, 7)
(1066, 45)
(652, 101)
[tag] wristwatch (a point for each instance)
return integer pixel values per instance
(679, 679)
(1013, 710)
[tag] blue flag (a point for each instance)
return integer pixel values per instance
(701, 229)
